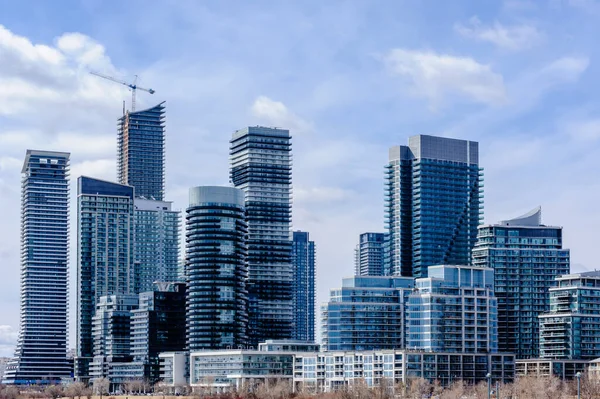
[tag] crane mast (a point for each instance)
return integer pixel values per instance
(132, 86)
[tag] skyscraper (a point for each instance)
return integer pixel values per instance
(571, 329)
(526, 257)
(104, 255)
(41, 353)
(141, 151)
(369, 255)
(261, 166)
(303, 260)
(216, 268)
(433, 204)
(156, 244)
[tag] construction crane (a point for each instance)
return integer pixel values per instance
(133, 86)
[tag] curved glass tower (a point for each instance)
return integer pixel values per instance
(41, 354)
(216, 270)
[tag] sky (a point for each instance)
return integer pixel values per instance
(348, 78)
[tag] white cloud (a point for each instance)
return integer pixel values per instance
(517, 37)
(276, 113)
(101, 168)
(436, 75)
(38, 77)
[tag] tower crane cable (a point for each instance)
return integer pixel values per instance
(133, 86)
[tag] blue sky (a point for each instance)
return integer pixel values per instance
(348, 78)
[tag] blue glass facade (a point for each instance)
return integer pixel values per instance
(261, 167)
(433, 204)
(526, 257)
(303, 259)
(454, 310)
(156, 244)
(104, 256)
(141, 151)
(41, 353)
(571, 329)
(369, 255)
(216, 269)
(366, 313)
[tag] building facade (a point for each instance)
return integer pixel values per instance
(157, 325)
(104, 255)
(369, 255)
(366, 313)
(156, 244)
(433, 204)
(41, 353)
(571, 329)
(141, 151)
(303, 260)
(453, 310)
(261, 166)
(526, 257)
(332, 371)
(216, 269)
(111, 332)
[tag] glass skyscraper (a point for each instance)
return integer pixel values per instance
(366, 313)
(453, 310)
(433, 204)
(104, 255)
(41, 353)
(369, 255)
(526, 257)
(571, 329)
(303, 259)
(216, 268)
(156, 244)
(261, 165)
(141, 151)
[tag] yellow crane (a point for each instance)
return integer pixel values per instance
(133, 86)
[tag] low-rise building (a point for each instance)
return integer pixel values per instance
(561, 368)
(330, 371)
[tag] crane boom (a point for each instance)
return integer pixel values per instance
(133, 86)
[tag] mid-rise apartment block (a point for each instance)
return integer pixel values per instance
(41, 353)
(433, 204)
(303, 260)
(261, 166)
(453, 310)
(571, 329)
(369, 255)
(526, 257)
(366, 313)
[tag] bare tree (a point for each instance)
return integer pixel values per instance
(455, 391)
(278, 389)
(75, 390)
(101, 386)
(8, 392)
(418, 387)
(87, 393)
(54, 391)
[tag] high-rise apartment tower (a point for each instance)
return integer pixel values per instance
(41, 353)
(433, 204)
(303, 260)
(369, 255)
(216, 268)
(141, 151)
(526, 257)
(261, 166)
(104, 255)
